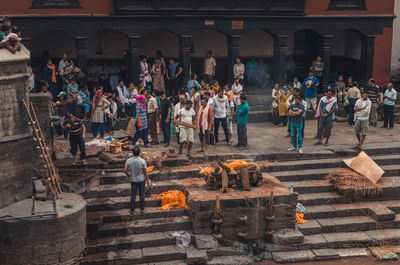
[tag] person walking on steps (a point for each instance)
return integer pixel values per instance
(135, 170)
(362, 110)
(77, 133)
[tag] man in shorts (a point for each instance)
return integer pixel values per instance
(186, 134)
(362, 109)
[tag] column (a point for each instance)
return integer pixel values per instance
(81, 53)
(325, 53)
(185, 48)
(280, 52)
(133, 64)
(233, 53)
(367, 57)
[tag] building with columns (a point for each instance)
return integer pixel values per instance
(354, 37)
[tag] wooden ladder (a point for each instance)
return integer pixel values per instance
(53, 179)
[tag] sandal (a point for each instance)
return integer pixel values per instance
(300, 151)
(291, 149)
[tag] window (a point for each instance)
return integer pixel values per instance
(347, 4)
(55, 4)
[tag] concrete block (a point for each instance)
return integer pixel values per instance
(205, 242)
(287, 237)
(227, 251)
(229, 260)
(322, 254)
(313, 241)
(381, 213)
(196, 256)
(293, 256)
(279, 248)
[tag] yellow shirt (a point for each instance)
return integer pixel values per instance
(152, 105)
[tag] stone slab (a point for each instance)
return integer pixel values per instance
(385, 234)
(327, 253)
(311, 227)
(293, 256)
(314, 242)
(287, 237)
(353, 252)
(230, 260)
(347, 239)
(205, 242)
(195, 256)
(381, 213)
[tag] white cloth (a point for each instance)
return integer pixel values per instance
(186, 135)
(123, 94)
(220, 106)
(363, 114)
(31, 81)
(186, 115)
(61, 64)
(112, 109)
(238, 70)
(177, 108)
(236, 89)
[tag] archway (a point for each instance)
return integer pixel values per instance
(107, 44)
(51, 44)
(159, 40)
(258, 44)
(306, 49)
(346, 54)
(214, 41)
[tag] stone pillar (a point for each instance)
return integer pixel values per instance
(81, 53)
(325, 52)
(41, 103)
(280, 51)
(233, 53)
(133, 64)
(185, 47)
(367, 57)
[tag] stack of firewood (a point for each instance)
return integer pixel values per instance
(242, 177)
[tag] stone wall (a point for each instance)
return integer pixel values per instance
(15, 135)
(245, 216)
(41, 103)
(46, 240)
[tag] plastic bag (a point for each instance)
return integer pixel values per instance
(131, 129)
(182, 239)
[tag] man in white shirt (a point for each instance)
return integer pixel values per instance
(238, 71)
(210, 66)
(219, 106)
(123, 99)
(61, 64)
(362, 109)
(180, 105)
(237, 90)
(186, 134)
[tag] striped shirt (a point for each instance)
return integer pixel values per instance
(141, 114)
(373, 93)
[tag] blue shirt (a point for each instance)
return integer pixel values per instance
(172, 69)
(85, 96)
(310, 90)
(390, 94)
(191, 84)
(242, 113)
(72, 89)
(141, 114)
(325, 111)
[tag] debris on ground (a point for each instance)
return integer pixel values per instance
(364, 165)
(171, 199)
(183, 239)
(233, 174)
(346, 180)
(385, 253)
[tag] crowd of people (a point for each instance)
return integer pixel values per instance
(10, 35)
(364, 105)
(161, 103)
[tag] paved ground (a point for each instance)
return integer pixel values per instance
(347, 261)
(266, 138)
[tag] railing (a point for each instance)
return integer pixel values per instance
(275, 7)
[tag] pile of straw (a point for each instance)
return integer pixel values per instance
(348, 181)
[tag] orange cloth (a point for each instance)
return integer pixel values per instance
(171, 199)
(149, 169)
(229, 94)
(300, 218)
(237, 163)
(207, 171)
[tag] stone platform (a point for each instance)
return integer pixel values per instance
(30, 239)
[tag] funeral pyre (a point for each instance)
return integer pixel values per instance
(233, 174)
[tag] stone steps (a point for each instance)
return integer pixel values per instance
(145, 226)
(110, 216)
(319, 174)
(327, 163)
(346, 224)
(124, 189)
(115, 203)
(170, 254)
(136, 241)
